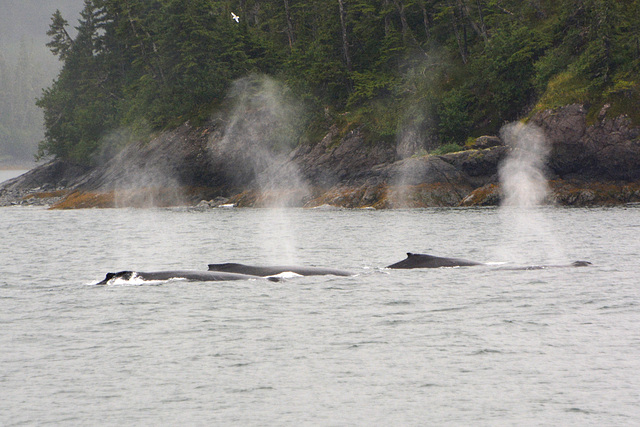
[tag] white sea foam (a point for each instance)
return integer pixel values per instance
(134, 280)
(287, 275)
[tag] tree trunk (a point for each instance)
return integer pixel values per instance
(464, 10)
(483, 27)
(158, 74)
(403, 18)
(345, 40)
(290, 34)
(456, 31)
(425, 20)
(387, 20)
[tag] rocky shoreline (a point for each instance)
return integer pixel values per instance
(589, 164)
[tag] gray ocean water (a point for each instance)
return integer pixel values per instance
(457, 346)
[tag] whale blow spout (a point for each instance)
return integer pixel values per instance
(430, 261)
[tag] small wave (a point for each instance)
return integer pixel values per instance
(486, 351)
(361, 343)
(438, 310)
(617, 306)
(240, 365)
(133, 281)
(326, 207)
(578, 410)
(252, 389)
(393, 303)
(136, 280)
(393, 322)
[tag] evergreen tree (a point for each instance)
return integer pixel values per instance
(454, 68)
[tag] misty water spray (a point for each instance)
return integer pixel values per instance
(263, 126)
(528, 235)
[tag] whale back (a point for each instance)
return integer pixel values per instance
(190, 275)
(252, 270)
(126, 275)
(548, 266)
(580, 264)
(272, 270)
(430, 261)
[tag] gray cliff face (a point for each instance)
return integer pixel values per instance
(43, 185)
(479, 165)
(606, 150)
(170, 160)
(350, 170)
(355, 161)
(50, 176)
(348, 160)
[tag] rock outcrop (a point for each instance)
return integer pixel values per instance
(590, 164)
(347, 160)
(608, 149)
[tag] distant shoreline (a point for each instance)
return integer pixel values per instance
(588, 165)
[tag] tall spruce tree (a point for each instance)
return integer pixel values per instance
(465, 65)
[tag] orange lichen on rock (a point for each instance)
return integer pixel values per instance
(379, 196)
(567, 193)
(438, 194)
(287, 197)
(245, 199)
(137, 198)
(352, 197)
(594, 193)
(83, 200)
(383, 196)
(160, 197)
(488, 195)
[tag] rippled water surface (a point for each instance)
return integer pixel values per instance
(458, 346)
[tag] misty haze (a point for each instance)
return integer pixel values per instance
(319, 212)
(26, 67)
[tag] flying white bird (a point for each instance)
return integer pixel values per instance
(235, 17)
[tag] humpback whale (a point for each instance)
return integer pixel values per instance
(272, 270)
(430, 261)
(190, 275)
(544, 267)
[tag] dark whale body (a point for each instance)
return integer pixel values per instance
(430, 261)
(544, 267)
(272, 270)
(190, 275)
